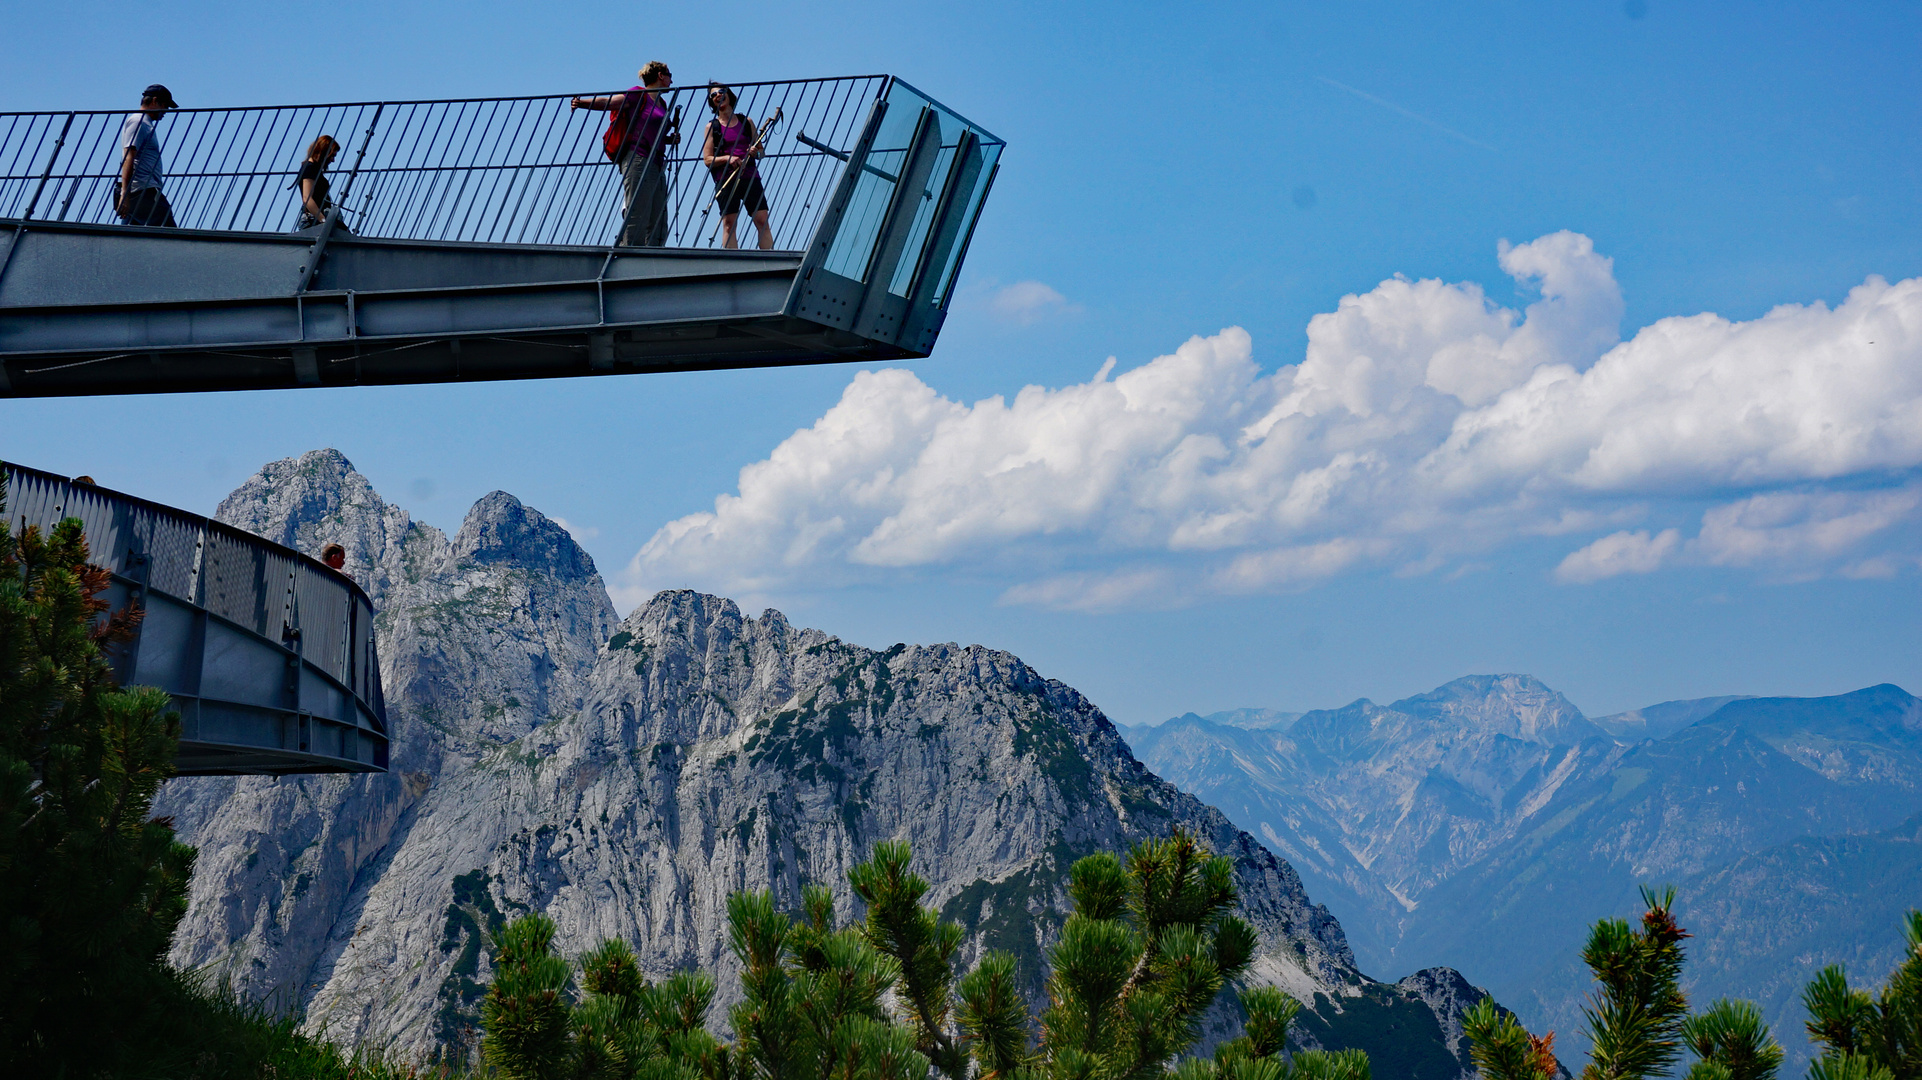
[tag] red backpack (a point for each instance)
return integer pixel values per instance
(618, 123)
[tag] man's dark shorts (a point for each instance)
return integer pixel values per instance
(149, 207)
(743, 190)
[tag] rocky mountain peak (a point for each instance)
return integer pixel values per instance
(625, 776)
(501, 529)
(475, 651)
(318, 499)
(1518, 706)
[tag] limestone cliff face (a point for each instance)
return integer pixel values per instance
(718, 753)
(481, 639)
(626, 778)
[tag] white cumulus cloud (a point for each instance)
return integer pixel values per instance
(1023, 303)
(1619, 553)
(1423, 425)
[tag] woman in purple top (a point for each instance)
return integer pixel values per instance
(729, 152)
(635, 139)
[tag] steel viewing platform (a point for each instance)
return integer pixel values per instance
(475, 239)
(269, 655)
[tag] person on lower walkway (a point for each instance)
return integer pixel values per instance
(730, 152)
(139, 200)
(637, 138)
(315, 199)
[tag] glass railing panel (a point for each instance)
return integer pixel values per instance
(946, 135)
(968, 205)
(922, 228)
(867, 210)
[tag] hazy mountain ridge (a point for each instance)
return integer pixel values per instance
(1545, 836)
(1375, 805)
(626, 779)
(1759, 774)
(1661, 720)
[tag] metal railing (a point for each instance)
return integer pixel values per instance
(529, 170)
(268, 653)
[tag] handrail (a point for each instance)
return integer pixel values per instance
(525, 169)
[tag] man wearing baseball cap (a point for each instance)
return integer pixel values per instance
(139, 200)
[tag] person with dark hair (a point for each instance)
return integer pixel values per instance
(312, 182)
(730, 151)
(334, 556)
(636, 140)
(138, 199)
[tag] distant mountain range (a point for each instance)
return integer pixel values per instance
(1486, 824)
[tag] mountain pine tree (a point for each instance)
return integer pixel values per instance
(90, 888)
(1868, 1037)
(1638, 1017)
(1635, 1018)
(1732, 1042)
(1149, 945)
(1503, 1049)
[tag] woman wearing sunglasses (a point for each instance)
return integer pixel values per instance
(730, 151)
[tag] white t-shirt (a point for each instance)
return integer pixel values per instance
(138, 132)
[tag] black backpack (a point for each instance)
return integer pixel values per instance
(714, 139)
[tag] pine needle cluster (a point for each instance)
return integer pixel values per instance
(1150, 944)
(620, 1027)
(1865, 1036)
(1635, 1017)
(1638, 1018)
(1147, 947)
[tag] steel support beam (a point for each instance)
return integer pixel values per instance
(101, 309)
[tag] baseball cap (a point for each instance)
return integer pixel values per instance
(161, 92)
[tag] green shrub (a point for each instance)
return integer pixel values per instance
(1148, 947)
(90, 888)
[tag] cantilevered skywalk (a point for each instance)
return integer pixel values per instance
(476, 239)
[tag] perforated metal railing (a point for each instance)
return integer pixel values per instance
(528, 170)
(291, 636)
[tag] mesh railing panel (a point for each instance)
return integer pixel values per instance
(509, 170)
(173, 553)
(322, 611)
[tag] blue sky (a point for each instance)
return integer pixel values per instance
(1716, 507)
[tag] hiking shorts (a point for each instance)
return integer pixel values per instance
(148, 207)
(741, 190)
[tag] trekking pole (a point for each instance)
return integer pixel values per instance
(671, 170)
(747, 158)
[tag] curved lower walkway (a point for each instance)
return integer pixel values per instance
(269, 655)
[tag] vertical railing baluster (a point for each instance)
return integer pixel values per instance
(35, 201)
(347, 188)
(58, 142)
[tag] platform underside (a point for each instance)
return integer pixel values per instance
(91, 309)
